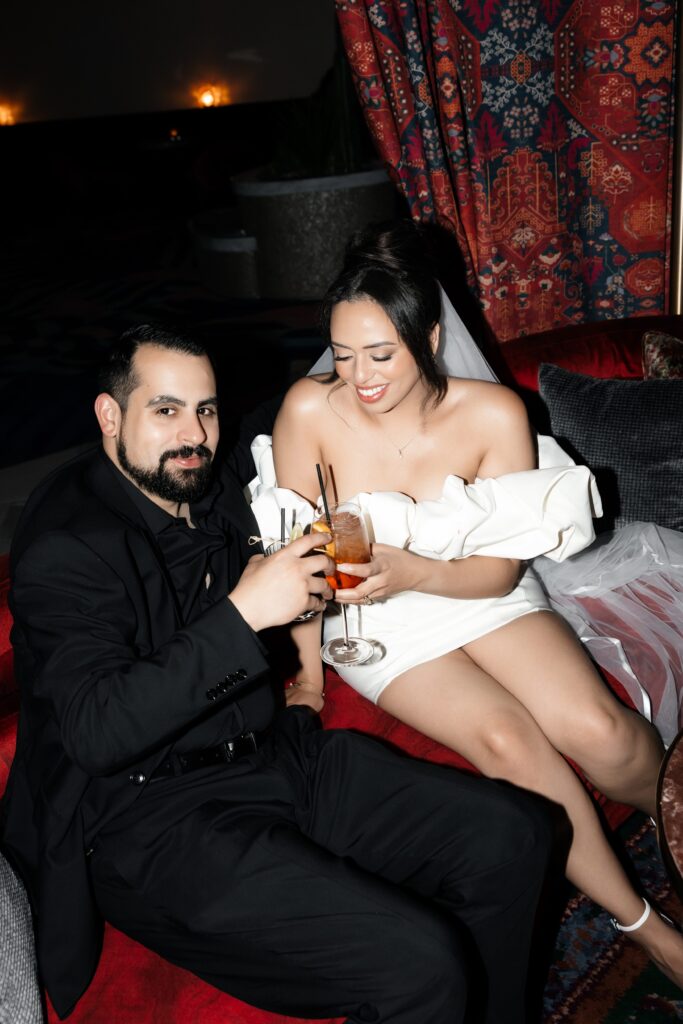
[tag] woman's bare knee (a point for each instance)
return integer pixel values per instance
(509, 747)
(607, 736)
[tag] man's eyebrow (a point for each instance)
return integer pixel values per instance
(375, 344)
(172, 400)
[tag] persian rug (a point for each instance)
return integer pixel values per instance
(598, 976)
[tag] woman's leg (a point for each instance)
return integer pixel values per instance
(454, 701)
(540, 662)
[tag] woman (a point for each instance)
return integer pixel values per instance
(500, 679)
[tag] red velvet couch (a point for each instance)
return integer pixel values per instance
(133, 985)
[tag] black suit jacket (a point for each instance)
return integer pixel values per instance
(109, 677)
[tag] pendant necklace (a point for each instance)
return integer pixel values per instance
(403, 446)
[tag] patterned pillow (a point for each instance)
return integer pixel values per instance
(630, 433)
(662, 356)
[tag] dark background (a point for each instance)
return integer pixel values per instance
(104, 171)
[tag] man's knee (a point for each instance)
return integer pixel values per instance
(519, 837)
(526, 829)
(422, 958)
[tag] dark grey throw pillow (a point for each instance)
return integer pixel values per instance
(630, 433)
(20, 1001)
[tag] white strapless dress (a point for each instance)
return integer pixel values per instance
(547, 511)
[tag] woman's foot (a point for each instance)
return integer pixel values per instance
(661, 940)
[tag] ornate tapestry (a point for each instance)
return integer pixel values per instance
(539, 133)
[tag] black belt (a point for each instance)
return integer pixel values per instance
(223, 753)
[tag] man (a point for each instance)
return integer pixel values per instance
(160, 783)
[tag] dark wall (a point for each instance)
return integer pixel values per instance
(89, 58)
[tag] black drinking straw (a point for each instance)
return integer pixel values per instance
(323, 495)
(282, 525)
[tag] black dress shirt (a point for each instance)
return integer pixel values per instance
(203, 565)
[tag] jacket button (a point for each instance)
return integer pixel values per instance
(241, 673)
(230, 680)
(211, 694)
(138, 778)
(221, 687)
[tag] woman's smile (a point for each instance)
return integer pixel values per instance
(373, 394)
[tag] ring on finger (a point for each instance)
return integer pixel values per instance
(368, 600)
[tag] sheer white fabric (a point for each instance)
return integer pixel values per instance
(623, 597)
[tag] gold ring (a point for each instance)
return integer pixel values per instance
(368, 600)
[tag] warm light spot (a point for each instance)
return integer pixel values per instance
(211, 95)
(8, 114)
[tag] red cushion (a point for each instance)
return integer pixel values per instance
(6, 658)
(133, 984)
(8, 741)
(609, 348)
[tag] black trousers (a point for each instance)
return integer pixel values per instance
(326, 876)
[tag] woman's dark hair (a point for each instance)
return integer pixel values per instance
(391, 265)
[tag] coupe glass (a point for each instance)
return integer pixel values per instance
(349, 544)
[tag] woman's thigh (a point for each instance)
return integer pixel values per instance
(459, 703)
(539, 662)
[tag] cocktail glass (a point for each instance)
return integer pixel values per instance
(277, 545)
(349, 544)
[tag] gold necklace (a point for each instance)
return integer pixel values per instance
(403, 446)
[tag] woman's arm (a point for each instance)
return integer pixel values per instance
(296, 440)
(296, 450)
(308, 687)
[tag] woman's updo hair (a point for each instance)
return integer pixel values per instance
(390, 264)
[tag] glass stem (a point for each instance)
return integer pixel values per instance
(346, 627)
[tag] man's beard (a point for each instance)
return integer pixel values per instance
(187, 485)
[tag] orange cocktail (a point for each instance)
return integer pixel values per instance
(349, 544)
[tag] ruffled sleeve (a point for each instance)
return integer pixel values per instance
(267, 499)
(545, 511)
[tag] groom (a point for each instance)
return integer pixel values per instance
(160, 784)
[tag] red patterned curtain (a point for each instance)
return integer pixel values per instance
(539, 133)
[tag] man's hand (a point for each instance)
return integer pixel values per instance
(272, 591)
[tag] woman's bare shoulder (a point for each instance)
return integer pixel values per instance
(486, 398)
(307, 396)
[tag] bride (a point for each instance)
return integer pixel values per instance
(445, 468)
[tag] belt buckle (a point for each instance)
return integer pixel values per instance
(227, 751)
(231, 750)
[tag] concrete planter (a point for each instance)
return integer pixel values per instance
(226, 258)
(302, 226)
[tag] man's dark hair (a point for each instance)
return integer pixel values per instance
(117, 375)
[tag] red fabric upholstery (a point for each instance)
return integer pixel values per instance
(6, 658)
(135, 986)
(610, 348)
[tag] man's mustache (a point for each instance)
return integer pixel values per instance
(186, 452)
